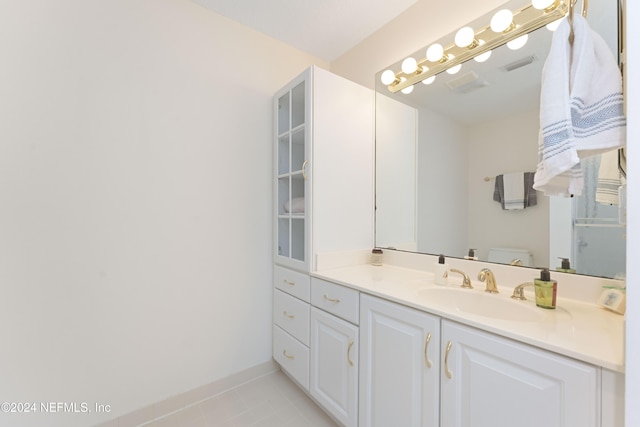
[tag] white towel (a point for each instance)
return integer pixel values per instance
(513, 190)
(581, 107)
(609, 179)
(295, 205)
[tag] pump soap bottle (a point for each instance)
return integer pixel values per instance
(546, 290)
(565, 267)
(440, 271)
(471, 255)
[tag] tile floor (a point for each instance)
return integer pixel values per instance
(269, 401)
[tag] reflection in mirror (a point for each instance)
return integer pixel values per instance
(441, 148)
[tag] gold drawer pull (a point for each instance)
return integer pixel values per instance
(304, 169)
(289, 282)
(349, 353)
(331, 300)
(426, 349)
(284, 353)
(446, 360)
(287, 315)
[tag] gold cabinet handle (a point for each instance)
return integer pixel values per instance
(331, 300)
(349, 353)
(284, 353)
(287, 315)
(446, 360)
(289, 282)
(304, 169)
(426, 349)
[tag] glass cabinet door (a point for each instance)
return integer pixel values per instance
(292, 160)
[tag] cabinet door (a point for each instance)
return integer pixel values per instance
(399, 365)
(292, 166)
(334, 366)
(493, 381)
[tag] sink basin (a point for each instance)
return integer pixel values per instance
(480, 303)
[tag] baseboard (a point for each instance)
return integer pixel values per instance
(150, 413)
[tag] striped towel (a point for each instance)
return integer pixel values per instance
(581, 108)
(530, 196)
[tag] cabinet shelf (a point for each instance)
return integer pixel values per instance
(291, 131)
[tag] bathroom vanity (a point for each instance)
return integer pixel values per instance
(386, 346)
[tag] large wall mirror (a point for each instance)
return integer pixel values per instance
(440, 149)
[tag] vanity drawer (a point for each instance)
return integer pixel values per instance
(336, 299)
(292, 356)
(292, 315)
(292, 282)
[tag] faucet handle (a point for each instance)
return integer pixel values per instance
(466, 281)
(518, 291)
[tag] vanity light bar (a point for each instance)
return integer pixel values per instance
(525, 20)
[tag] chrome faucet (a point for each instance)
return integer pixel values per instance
(466, 282)
(518, 291)
(489, 278)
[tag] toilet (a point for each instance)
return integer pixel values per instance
(508, 255)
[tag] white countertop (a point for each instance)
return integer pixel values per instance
(575, 329)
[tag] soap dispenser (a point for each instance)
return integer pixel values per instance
(546, 290)
(565, 267)
(440, 271)
(471, 255)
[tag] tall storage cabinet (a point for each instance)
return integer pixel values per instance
(323, 196)
(323, 168)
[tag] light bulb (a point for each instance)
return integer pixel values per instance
(552, 26)
(543, 4)
(429, 80)
(409, 65)
(518, 43)
(484, 56)
(388, 77)
(435, 52)
(502, 21)
(407, 90)
(465, 37)
(455, 69)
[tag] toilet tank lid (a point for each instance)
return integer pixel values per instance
(511, 250)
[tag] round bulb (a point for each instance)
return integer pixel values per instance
(429, 80)
(502, 20)
(542, 4)
(465, 36)
(407, 90)
(454, 70)
(484, 56)
(409, 65)
(435, 52)
(387, 77)
(518, 43)
(552, 26)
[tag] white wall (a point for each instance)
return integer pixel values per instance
(633, 213)
(135, 227)
(514, 138)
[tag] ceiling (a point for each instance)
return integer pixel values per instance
(323, 28)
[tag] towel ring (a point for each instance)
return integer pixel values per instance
(572, 4)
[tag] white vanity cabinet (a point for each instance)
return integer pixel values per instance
(334, 350)
(291, 312)
(419, 370)
(323, 163)
(490, 380)
(399, 365)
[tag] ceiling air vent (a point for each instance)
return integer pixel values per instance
(519, 63)
(466, 83)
